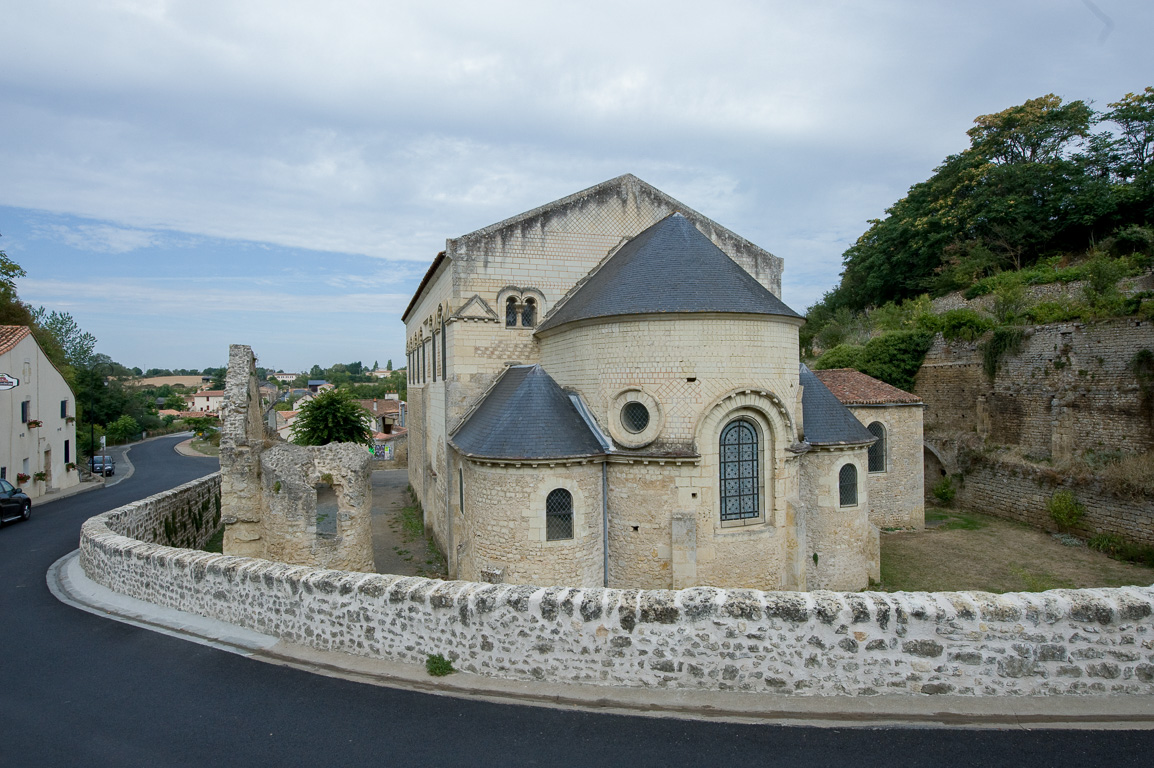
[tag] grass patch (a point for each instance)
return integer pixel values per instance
(950, 520)
(206, 446)
(968, 550)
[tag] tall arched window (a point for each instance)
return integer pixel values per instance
(877, 451)
(529, 313)
(740, 479)
(558, 515)
(847, 485)
(511, 312)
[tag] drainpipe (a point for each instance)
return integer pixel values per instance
(605, 522)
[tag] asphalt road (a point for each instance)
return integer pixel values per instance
(78, 690)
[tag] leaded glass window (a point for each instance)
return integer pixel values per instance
(529, 313)
(877, 451)
(847, 485)
(635, 417)
(559, 515)
(511, 312)
(740, 479)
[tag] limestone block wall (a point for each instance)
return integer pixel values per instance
(1086, 642)
(684, 362)
(504, 525)
(897, 495)
(1020, 492)
(1069, 389)
(843, 539)
(242, 436)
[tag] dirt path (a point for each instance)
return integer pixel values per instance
(397, 548)
(971, 551)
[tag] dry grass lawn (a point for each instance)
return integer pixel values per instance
(971, 551)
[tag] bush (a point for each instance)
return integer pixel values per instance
(895, 357)
(1115, 546)
(1131, 240)
(945, 490)
(841, 356)
(963, 324)
(438, 666)
(1065, 510)
(1003, 341)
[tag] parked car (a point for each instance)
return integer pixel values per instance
(103, 465)
(14, 503)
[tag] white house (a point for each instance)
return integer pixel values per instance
(38, 428)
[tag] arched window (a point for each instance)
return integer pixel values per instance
(529, 313)
(877, 451)
(847, 485)
(511, 312)
(740, 480)
(558, 515)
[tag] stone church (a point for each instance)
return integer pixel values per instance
(606, 390)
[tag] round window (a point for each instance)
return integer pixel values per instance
(635, 417)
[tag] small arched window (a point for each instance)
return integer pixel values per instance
(877, 451)
(511, 312)
(529, 313)
(847, 485)
(740, 481)
(558, 515)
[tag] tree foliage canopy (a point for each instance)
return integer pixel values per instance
(1036, 180)
(332, 417)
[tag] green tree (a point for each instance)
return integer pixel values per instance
(332, 417)
(77, 344)
(122, 429)
(1134, 115)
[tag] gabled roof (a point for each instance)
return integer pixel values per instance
(670, 267)
(856, 388)
(825, 420)
(11, 335)
(525, 415)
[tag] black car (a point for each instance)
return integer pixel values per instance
(14, 503)
(103, 465)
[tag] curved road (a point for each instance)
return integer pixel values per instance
(78, 690)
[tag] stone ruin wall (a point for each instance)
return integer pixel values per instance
(1069, 389)
(1071, 642)
(269, 489)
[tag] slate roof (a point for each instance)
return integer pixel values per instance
(11, 335)
(825, 420)
(856, 388)
(669, 267)
(526, 415)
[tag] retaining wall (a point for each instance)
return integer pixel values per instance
(819, 643)
(1019, 492)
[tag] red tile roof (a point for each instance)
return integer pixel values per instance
(382, 407)
(11, 335)
(855, 388)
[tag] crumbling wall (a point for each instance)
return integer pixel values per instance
(293, 477)
(269, 489)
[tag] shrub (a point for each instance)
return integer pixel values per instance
(964, 324)
(895, 357)
(1065, 510)
(1133, 239)
(945, 491)
(438, 666)
(841, 356)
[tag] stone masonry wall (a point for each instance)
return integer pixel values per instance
(897, 495)
(186, 516)
(1020, 492)
(1070, 388)
(1085, 642)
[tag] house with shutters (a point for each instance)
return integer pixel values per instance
(607, 390)
(38, 417)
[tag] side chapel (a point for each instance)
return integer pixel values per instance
(606, 390)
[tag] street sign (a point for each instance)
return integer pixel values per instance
(102, 444)
(8, 382)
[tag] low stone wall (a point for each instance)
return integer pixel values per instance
(1019, 492)
(818, 643)
(186, 516)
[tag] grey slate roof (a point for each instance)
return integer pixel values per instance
(825, 420)
(526, 416)
(669, 267)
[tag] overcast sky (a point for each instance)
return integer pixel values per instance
(180, 176)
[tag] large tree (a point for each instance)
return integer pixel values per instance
(332, 417)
